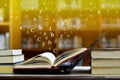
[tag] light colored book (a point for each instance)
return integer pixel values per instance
(10, 52)
(6, 68)
(108, 53)
(11, 59)
(2, 41)
(7, 40)
(105, 71)
(105, 62)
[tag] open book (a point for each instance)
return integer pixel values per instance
(48, 63)
(48, 60)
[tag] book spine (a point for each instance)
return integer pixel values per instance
(4, 41)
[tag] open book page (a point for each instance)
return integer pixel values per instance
(48, 55)
(68, 55)
(44, 60)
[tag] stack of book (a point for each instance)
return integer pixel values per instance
(9, 58)
(105, 62)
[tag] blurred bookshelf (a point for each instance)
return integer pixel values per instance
(60, 25)
(9, 24)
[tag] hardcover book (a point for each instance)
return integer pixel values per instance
(46, 63)
(107, 57)
(11, 59)
(7, 68)
(10, 52)
(105, 61)
(106, 71)
(106, 53)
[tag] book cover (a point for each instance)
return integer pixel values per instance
(105, 62)
(6, 68)
(10, 52)
(107, 53)
(11, 59)
(105, 71)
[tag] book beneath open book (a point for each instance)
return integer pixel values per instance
(48, 63)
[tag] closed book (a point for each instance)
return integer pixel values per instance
(105, 62)
(10, 52)
(107, 53)
(11, 59)
(105, 70)
(7, 68)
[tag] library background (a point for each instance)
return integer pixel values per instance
(36, 26)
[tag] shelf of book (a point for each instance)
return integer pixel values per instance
(73, 25)
(4, 16)
(7, 21)
(47, 25)
(4, 23)
(4, 29)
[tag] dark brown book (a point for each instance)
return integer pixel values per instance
(64, 63)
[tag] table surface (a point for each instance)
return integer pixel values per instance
(76, 74)
(72, 76)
